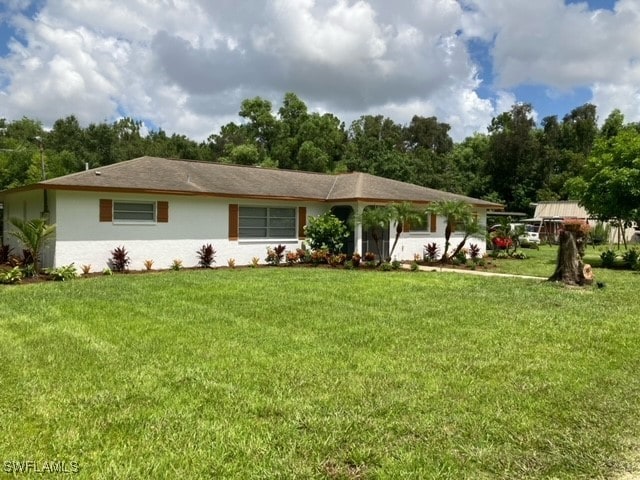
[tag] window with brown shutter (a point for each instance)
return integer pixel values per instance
(106, 210)
(233, 221)
(302, 222)
(163, 212)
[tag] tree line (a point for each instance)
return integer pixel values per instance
(516, 162)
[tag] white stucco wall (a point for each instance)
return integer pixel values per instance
(412, 243)
(193, 221)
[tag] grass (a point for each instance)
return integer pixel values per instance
(321, 373)
(542, 262)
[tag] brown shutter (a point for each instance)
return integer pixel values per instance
(106, 210)
(302, 222)
(233, 221)
(406, 227)
(163, 212)
(434, 220)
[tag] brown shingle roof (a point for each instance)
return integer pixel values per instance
(152, 174)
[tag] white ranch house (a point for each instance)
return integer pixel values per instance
(163, 209)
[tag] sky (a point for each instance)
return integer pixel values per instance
(186, 65)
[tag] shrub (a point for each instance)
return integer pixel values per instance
(27, 258)
(519, 255)
(275, 255)
(28, 270)
(206, 256)
(415, 267)
(608, 258)
(474, 252)
(86, 269)
(386, 267)
(461, 257)
(255, 261)
(107, 271)
(5, 253)
(231, 263)
(502, 243)
(119, 259)
(336, 260)
(304, 255)
(176, 264)
(148, 264)
(395, 265)
(356, 258)
(11, 277)
(61, 274)
(320, 256)
(630, 258)
(369, 257)
(292, 257)
(326, 231)
(431, 252)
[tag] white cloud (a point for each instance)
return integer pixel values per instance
(185, 65)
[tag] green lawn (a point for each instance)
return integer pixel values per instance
(542, 262)
(321, 373)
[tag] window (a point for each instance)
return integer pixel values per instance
(267, 222)
(428, 225)
(134, 211)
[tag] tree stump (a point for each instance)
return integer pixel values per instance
(570, 269)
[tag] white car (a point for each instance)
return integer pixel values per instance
(531, 234)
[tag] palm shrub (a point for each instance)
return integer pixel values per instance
(119, 259)
(431, 252)
(33, 234)
(206, 256)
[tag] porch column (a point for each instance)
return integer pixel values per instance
(357, 232)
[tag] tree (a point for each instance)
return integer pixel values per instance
(428, 133)
(512, 157)
(455, 212)
(261, 124)
(245, 155)
(402, 214)
(609, 188)
(32, 234)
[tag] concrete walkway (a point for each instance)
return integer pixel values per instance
(483, 273)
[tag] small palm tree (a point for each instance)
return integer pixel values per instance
(32, 234)
(374, 219)
(454, 212)
(401, 214)
(472, 228)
